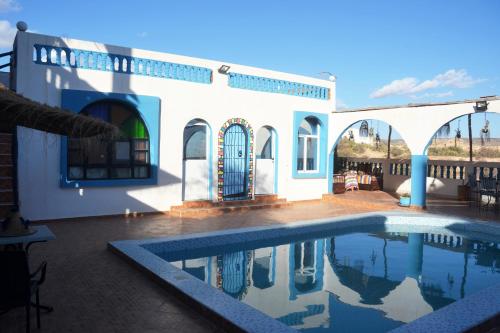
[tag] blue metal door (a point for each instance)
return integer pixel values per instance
(235, 163)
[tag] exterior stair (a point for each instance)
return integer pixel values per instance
(6, 175)
(206, 208)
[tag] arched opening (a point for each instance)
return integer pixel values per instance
(371, 155)
(266, 163)
(126, 156)
(196, 161)
(464, 159)
(235, 161)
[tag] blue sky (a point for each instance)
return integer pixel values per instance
(382, 52)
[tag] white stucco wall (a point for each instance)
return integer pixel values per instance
(40, 195)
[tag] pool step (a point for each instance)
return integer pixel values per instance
(205, 208)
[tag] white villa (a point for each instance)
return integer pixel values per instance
(191, 129)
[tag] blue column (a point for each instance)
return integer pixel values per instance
(415, 255)
(418, 180)
(331, 170)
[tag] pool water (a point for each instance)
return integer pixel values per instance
(361, 281)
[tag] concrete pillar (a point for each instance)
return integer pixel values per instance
(418, 180)
(415, 255)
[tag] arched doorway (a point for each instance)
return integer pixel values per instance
(196, 161)
(266, 162)
(235, 165)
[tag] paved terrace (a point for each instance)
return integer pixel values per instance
(93, 290)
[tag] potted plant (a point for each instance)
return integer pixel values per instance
(405, 200)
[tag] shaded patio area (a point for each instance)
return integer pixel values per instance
(93, 290)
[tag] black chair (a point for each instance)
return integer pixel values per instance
(474, 192)
(488, 187)
(18, 285)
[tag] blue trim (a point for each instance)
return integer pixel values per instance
(298, 116)
(418, 180)
(149, 109)
(101, 61)
(331, 170)
(259, 83)
(276, 159)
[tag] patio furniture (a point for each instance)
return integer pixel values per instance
(369, 183)
(42, 234)
(487, 187)
(338, 184)
(351, 181)
(18, 285)
(474, 197)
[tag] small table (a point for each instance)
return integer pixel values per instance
(42, 234)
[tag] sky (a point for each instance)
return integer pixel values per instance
(382, 52)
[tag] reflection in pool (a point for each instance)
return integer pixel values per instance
(371, 281)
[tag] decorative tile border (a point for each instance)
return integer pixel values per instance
(109, 62)
(258, 83)
(220, 154)
(464, 314)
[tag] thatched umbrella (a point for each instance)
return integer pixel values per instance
(16, 110)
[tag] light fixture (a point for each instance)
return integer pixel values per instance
(481, 105)
(329, 76)
(224, 69)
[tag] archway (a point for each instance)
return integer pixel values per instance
(375, 153)
(197, 161)
(235, 164)
(464, 151)
(266, 162)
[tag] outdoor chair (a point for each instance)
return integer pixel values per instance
(488, 187)
(474, 196)
(18, 285)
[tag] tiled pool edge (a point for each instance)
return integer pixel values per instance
(237, 316)
(226, 313)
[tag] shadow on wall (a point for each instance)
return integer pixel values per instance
(39, 154)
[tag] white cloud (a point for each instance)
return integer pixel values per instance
(7, 34)
(411, 85)
(340, 105)
(142, 34)
(9, 6)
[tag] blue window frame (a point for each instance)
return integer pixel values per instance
(147, 107)
(310, 138)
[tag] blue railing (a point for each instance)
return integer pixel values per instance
(258, 83)
(66, 57)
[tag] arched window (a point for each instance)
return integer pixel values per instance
(127, 156)
(195, 142)
(308, 145)
(264, 143)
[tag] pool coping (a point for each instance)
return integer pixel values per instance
(234, 315)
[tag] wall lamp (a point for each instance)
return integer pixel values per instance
(481, 106)
(224, 69)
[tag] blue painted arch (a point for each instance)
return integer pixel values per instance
(148, 108)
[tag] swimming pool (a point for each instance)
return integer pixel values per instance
(362, 273)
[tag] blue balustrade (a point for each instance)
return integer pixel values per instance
(258, 83)
(101, 61)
